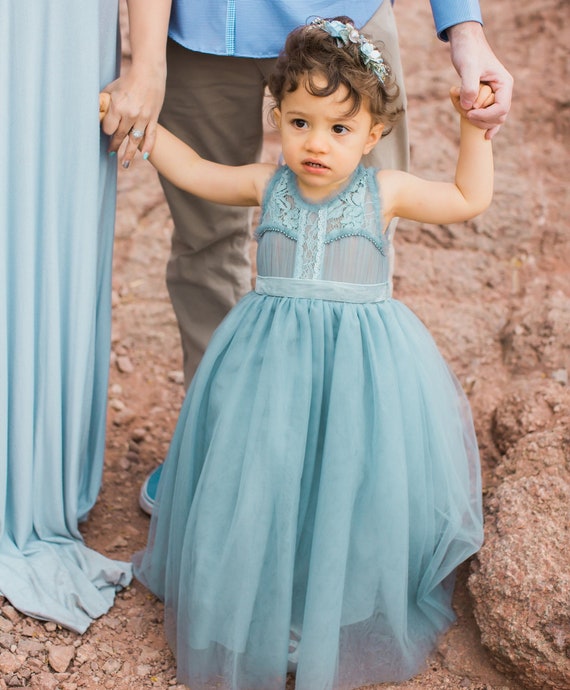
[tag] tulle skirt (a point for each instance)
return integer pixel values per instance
(322, 485)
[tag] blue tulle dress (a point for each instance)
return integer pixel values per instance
(57, 207)
(323, 481)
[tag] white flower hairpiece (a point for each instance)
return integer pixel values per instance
(347, 33)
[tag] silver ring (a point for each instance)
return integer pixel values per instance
(137, 133)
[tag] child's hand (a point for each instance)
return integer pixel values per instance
(485, 98)
(104, 100)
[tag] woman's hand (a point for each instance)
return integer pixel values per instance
(132, 111)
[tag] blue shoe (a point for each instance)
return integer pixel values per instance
(293, 656)
(147, 496)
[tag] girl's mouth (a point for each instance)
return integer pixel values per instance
(314, 165)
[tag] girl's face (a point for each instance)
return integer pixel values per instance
(322, 144)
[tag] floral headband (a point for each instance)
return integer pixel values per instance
(347, 33)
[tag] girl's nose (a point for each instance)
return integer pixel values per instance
(316, 142)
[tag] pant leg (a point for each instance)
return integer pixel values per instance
(214, 103)
(393, 151)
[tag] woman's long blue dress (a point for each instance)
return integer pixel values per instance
(323, 480)
(57, 204)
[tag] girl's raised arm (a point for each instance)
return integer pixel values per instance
(183, 167)
(408, 196)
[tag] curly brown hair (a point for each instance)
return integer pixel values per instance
(311, 56)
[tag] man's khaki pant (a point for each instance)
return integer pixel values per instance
(215, 104)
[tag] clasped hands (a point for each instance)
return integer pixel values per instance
(485, 98)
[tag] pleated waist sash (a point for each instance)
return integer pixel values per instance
(322, 289)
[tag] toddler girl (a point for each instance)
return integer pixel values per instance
(323, 480)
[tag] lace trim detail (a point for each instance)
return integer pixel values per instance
(262, 229)
(280, 212)
(354, 212)
(310, 245)
(378, 242)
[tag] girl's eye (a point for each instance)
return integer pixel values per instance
(339, 129)
(298, 123)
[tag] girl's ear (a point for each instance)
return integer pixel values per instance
(277, 117)
(374, 137)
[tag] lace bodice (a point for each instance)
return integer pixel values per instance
(340, 239)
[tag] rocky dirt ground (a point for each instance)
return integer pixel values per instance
(465, 281)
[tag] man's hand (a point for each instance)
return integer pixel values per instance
(485, 98)
(475, 62)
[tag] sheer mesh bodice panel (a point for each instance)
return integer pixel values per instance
(338, 240)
